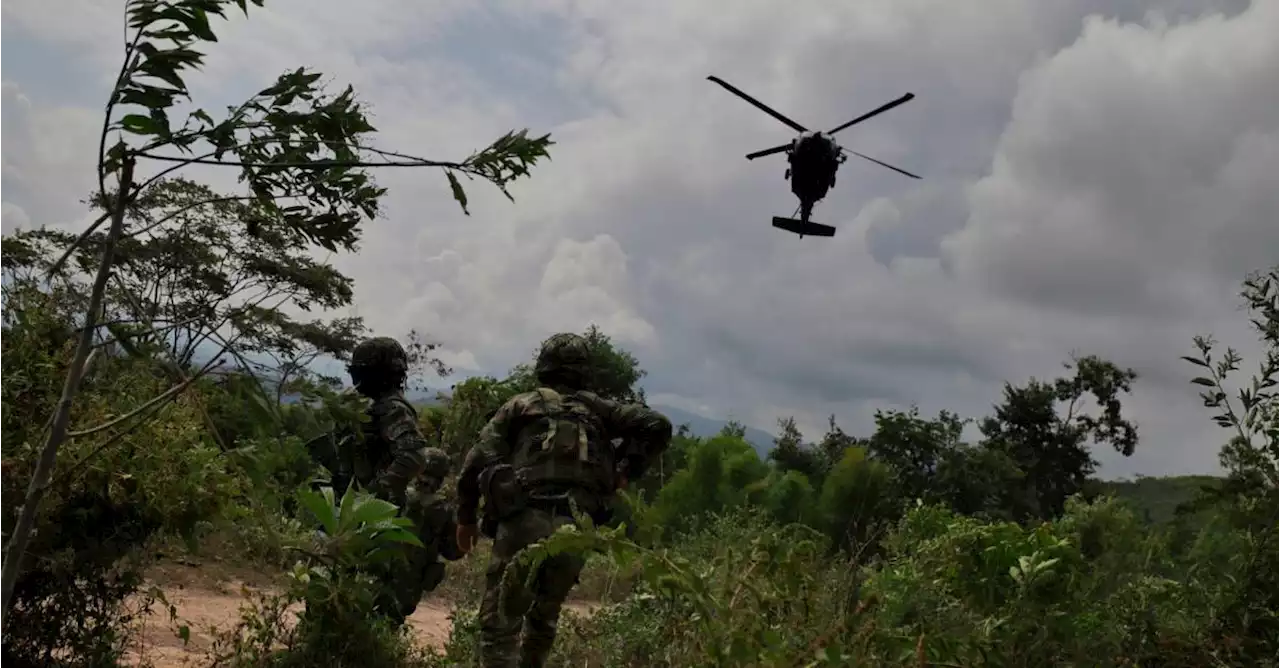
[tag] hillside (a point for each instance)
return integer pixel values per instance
(1157, 499)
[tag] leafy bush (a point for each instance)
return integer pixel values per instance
(338, 625)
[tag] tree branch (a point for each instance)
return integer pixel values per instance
(155, 401)
(216, 200)
(66, 255)
(312, 164)
(71, 473)
(15, 551)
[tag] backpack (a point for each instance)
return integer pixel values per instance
(560, 446)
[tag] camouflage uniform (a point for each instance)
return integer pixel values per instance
(434, 525)
(392, 451)
(539, 451)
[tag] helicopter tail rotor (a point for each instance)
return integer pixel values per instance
(882, 164)
(758, 104)
(874, 112)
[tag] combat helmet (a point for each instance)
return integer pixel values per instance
(377, 364)
(438, 464)
(565, 359)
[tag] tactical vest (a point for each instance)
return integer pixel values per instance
(429, 516)
(561, 447)
(373, 454)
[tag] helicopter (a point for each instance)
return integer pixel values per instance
(814, 158)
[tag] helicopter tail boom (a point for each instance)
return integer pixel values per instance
(802, 228)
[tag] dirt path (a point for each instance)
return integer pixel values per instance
(207, 610)
(209, 600)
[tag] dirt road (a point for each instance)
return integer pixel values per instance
(208, 600)
(209, 596)
(205, 609)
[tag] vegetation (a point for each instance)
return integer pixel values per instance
(145, 411)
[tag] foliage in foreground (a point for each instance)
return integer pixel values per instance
(1095, 587)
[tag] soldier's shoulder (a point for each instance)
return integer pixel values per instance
(392, 404)
(645, 414)
(523, 401)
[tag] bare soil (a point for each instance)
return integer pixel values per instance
(208, 598)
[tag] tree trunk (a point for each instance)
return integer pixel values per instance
(17, 547)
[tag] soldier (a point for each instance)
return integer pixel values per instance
(433, 524)
(391, 451)
(542, 453)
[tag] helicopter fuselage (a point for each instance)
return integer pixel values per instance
(814, 158)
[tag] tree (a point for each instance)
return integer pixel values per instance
(1249, 494)
(472, 403)
(834, 443)
(975, 480)
(790, 454)
(912, 447)
(856, 503)
(1050, 449)
(722, 472)
(301, 153)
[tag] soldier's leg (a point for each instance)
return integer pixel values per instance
(400, 585)
(557, 576)
(499, 632)
(410, 590)
(502, 612)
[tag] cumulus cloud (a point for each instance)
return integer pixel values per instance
(1098, 178)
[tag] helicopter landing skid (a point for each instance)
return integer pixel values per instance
(803, 228)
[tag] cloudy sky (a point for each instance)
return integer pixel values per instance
(1098, 177)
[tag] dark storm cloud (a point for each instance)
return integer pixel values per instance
(1089, 185)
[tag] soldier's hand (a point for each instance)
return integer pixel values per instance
(466, 535)
(620, 482)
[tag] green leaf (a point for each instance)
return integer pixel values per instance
(198, 23)
(140, 125)
(371, 509)
(320, 507)
(1204, 381)
(400, 536)
(458, 193)
(184, 632)
(1195, 361)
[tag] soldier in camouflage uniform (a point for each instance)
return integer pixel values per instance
(434, 525)
(392, 451)
(540, 451)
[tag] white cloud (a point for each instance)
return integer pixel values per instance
(48, 157)
(1091, 184)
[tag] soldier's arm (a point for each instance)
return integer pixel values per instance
(490, 446)
(448, 536)
(645, 432)
(399, 427)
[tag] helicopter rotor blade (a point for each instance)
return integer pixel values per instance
(879, 110)
(883, 164)
(758, 104)
(768, 151)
